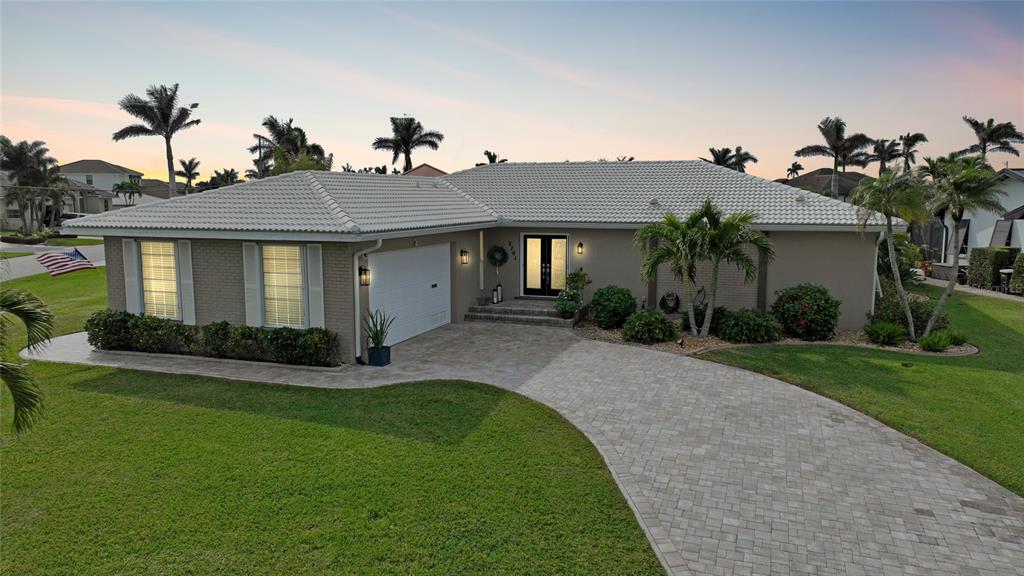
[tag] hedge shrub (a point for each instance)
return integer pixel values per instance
(985, 263)
(118, 330)
(1017, 279)
(886, 333)
(746, 326)
(611, 306)
(568, 303)
(648, 326)
(717, 319)
(807, 311)
(936, 341)
(889, 309)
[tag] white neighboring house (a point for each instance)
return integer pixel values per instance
(985, 229)
(101, 175)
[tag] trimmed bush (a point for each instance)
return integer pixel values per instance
(1017, 279)
(611, 306)
(746, 326)
(886, 333)
(807, 311)
(116, 330)
(957, 337)
(568, 303)
(985, 263)
(717, 319)
(889, 309)
(648, 326)
(936, 341)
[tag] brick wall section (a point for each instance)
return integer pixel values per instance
(733, 291)
(338, 296)
(114, 255)
(218, 280)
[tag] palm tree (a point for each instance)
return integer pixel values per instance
(624, 158)
(492, 158)
(883, 151)
(129, 190)
(740, 159)
(893, 196)
(794, 170)
(676, 243)
(965, 184)
(189, 171)
(27, 163)
(992, 137)
(841, 148)
(406, 135)
(57, 194)
(908, 148)
(935, 168)
(25, 393)
(24, 198)
(721, 157)
(225, 177)
(160, 116)
(725, 240)
(287, 139)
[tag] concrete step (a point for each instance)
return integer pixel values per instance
(520, 319)
(506, 310)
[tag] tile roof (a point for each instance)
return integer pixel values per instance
(569, 192)
(96, 167)
(624, 192)
(327, 202)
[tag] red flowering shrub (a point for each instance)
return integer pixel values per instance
(807, 311)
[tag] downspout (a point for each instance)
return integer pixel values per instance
(877, 285)
(358, 309)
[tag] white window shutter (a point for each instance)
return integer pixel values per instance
(315, 285)
(132, 280)
(251, 271)
(187, 293)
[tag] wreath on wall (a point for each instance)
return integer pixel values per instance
(497, 256)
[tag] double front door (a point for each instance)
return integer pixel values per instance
(545, 263)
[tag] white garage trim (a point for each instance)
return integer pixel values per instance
(413, 286)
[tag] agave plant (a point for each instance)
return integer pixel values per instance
(377, 325)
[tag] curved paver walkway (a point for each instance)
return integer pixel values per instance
(730, 472)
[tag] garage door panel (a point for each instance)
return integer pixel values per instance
(412, 286)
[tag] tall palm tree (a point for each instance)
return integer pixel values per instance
(883, 151)
(935, 168)
(721, 157)
(794, 170)
(129, 190)
(24, 198)
(841, 148)
(33, 313)
(893, 196)
(225, 177)
(27, 163)
(287, 139)
(189, 171)
(676, 243)
(965, 184)
(993, 137)
(908, 148)
(492, 158)
(740, 159)
(407, 134)
(160, 116)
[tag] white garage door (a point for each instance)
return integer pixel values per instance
(414, 287)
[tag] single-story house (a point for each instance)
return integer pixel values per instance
(321, 248)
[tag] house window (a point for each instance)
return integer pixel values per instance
(88, 179)
(159, 279)
(283, 286)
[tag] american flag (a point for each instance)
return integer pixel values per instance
(64, 261)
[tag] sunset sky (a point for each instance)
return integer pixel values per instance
(533, 82)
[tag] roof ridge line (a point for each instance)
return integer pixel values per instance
(466, 195)
(347, 223)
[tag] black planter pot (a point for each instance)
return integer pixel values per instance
(379, 356)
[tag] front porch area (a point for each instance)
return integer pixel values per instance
(535, 311)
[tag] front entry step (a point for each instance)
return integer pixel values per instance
(518, 314)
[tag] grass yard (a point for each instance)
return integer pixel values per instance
(144, 473)
(970, 408)
(4, 255)
(74, 241)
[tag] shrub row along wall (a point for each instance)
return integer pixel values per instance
(119, 330)
(985, 263)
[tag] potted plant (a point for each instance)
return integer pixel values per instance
(377, 324)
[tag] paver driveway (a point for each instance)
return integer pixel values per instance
(730, 472)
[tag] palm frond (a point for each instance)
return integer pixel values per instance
(133, 131)
(814, 150)
(26, 395)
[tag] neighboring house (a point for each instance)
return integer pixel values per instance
(81, 198)
(425, 170)
(158, 188)
(100, 174)
(984, 229)
(297, 249)
(820, 181)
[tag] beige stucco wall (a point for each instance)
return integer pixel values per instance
(608, 256)
(842, 262)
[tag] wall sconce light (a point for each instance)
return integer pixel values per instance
(364, 276)
(464, 256)
(579, 248)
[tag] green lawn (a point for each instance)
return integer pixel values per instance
(144, 473)
(74, 241)
(5, 255)
(970, 408)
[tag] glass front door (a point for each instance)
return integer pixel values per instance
(545, 262)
